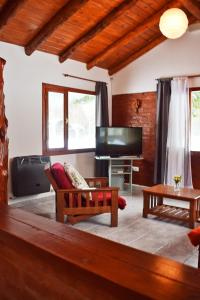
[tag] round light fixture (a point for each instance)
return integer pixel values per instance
(173, 23)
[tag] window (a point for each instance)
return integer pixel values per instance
(195, 119)
(68, 120)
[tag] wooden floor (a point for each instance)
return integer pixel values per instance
(163, 237)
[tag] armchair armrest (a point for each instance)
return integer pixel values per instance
(75, 191)
(97, 181)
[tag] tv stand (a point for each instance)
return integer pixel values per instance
(120, 171)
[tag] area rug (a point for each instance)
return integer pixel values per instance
(159, 236)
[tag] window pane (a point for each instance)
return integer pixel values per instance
(81, 121)
(55, 120)
(195, 120)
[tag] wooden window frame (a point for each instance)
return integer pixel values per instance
(46, 87)
(190, 99)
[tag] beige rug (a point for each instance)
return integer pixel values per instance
(159, 236)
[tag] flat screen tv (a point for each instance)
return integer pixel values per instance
(118, 141)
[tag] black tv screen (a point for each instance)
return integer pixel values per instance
(118, 141)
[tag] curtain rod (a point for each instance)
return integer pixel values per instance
(86, 79)
(188, 76)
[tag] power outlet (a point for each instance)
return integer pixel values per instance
(135, 169)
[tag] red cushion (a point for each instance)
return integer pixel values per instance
(194, 236)
(121, 200)
(62, 180)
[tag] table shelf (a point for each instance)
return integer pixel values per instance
(171, 212)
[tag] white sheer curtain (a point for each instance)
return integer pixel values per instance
(178, 140)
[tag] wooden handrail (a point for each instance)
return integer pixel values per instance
(50, 260)
(3, 141)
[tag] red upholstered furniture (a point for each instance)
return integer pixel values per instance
(194, 236)
(80, 204)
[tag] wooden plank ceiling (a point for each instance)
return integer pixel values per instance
(105, 33)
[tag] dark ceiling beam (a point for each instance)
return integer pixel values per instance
(61, 16)
(150, 45)
(9, 10)
(193, 7)
(131, 35)
(106, 21)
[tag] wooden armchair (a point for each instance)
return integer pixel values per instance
(79, 204)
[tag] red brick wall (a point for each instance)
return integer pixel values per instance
(124, 114)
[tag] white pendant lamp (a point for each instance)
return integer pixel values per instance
(173, 23)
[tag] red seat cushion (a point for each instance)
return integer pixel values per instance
(121, 200)
(194, 236)
(61, 178)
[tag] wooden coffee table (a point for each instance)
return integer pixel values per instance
(153, 203)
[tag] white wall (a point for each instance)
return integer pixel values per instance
(171, 58)
(23, 77)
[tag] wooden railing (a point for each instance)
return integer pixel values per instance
(43, 259)
(3, 140)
